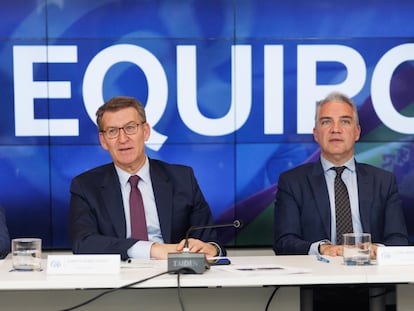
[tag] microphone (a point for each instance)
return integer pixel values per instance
(194, 263)
(236, 224)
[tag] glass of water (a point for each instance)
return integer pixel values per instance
(27, 254)
(357, 249)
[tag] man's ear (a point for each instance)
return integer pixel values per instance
(358, 133)
(315, 135)
(147, 131)
(103, 141)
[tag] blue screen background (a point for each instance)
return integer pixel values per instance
(237, 172)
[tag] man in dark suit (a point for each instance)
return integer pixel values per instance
(305, 219)
(304, 213)
(4, 236)
(173, 202)
(305, 205)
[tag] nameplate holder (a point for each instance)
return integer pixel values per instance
(83, 264)
(395, 255)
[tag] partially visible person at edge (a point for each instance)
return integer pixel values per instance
(4, 235)
(305, 204)
(99, 206)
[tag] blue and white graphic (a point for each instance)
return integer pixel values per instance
(229, 88)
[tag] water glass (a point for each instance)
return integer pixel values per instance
(357, 249)
(27, 254)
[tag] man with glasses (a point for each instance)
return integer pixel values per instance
(102, 205)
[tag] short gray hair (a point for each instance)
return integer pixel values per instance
(337, 97)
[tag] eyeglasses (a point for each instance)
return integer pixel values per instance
(129, 129)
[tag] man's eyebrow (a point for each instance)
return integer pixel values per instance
(124, 124)
(325, 118)
(341, 117)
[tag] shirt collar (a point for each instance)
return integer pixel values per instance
(143, 173)
(326, 165)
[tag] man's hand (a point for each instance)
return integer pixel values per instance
(337, 250)
(374, 248)
(198, 246)
(331, 250)
(160, 251)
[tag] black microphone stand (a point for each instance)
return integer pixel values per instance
(193, 263)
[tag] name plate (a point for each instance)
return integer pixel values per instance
(83, 264)
(395, 255)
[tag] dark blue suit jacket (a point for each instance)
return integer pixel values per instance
(302, 208)
(4, 236)
(97, 219)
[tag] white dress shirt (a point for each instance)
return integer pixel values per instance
(141, 249)
(349, 177)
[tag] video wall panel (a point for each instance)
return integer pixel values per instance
(229, 88)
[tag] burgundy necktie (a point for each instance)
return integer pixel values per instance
(137, 213)
(342, 206)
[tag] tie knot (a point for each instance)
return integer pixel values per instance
(133, 180)
(339, 170)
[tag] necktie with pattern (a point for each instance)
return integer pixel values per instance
(342, 206)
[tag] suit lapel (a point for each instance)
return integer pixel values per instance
(364, 196)
(112, 199)
(320, 193)
(163, 199)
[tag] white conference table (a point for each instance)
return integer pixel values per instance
(246, 284)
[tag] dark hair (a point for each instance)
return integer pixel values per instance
(337, 97)
(118, 103)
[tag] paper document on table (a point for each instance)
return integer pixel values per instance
(273, 269)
